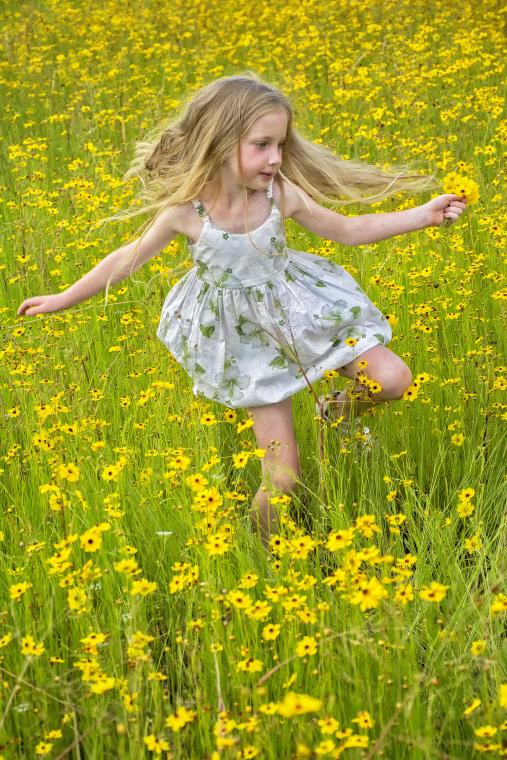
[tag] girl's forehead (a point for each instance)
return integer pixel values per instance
(273, 121)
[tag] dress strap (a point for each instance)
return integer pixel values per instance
(200, 210)
(269, 191)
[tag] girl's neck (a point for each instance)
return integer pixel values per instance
(227, 196)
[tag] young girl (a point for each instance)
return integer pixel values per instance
(253, 322)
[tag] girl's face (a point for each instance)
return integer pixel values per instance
(260, 150)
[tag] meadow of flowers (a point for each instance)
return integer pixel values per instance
(140, 617)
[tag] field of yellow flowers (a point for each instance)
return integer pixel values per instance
(139, 616)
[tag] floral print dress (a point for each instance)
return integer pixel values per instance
(254, 322)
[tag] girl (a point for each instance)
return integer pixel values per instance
(253, 321)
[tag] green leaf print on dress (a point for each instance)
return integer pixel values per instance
(207, 330)
(208, 318)
(216, 275)
(335, 313)
(231, 383)
(251, 333)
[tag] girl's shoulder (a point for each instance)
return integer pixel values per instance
(292, 195)
(186, 220)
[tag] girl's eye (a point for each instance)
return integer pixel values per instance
(261, 145)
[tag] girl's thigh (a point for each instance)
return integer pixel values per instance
(274, 431)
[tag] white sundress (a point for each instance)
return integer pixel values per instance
(253, 327)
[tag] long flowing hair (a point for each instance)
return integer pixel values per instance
(177, 159)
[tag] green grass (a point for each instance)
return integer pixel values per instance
(85, 387)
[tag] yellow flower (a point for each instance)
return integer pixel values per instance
(209, 419)
(143, 587)
(271, 632)
(307, 646)
(76, 599)
(364, 719)
(102, 684)
(249, 666)
(478, 647)
(68, 472)
(485, 732)
(29, 647)
(404, 594)
(466, 494)
(369, 594)
(356, 740)
(127, 566)
(5, 639)
(473, 544)
(129, 702)
(179, 463)
(458, 439)
(208, 498)
(43, 748)
(465, 509)
(328, 725)
(91, 541)
(156, 745)
(181, 717)
(243, 425)
(473, 706)
(339, 539)
(259, 611)
(502, 695)
(18, 589)
(300, 547)
(499, 604)
(241, 459)
(324, 747)
(366, 524)
(92, 641)
(54, 734)
(435, 592)
(196, 481)
(458, 184)
(298, 704)
(239, 600)
(217, 544)
(410, 393)
(58, 501)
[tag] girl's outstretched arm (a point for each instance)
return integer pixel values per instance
(369, 228)
(118, 265)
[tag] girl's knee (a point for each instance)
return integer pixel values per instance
(395, 382)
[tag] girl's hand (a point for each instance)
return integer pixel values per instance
(444, 208)
(42, 304)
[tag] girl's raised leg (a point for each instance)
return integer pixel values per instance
(274, 430)
(383, 366)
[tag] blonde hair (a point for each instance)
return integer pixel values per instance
(178, 159)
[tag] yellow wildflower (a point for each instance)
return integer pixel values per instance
(307, 646)
(435, 592)
(181, 717)
(18, 589)
(298, 704)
